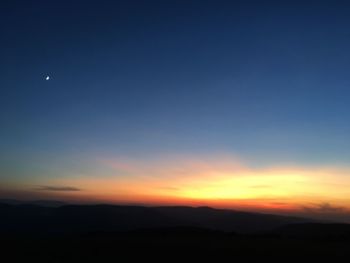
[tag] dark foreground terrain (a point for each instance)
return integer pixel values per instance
(32, 233)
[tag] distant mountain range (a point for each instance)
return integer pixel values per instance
(314, 230)
(48, 203)
(56, 217)
(51, 232)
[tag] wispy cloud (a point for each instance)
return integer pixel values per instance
(260, 186)
(57, 188)
(170, 188)
(325, 208)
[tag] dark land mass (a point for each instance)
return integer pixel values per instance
(33, 218)
(45, 203)
(106, 233)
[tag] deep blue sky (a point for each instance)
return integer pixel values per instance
(267, 81)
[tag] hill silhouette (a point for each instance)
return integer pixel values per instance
(315, 231)
(107, 233)
(30, 218)
(49, 203)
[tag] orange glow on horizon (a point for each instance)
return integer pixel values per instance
(222, 184)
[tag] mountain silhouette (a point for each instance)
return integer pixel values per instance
(108, 233)
(315, 230)
(49, 203)
(32, 218)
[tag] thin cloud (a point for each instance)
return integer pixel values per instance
(170, 188)
(58, 188)
(261, 186)
(324, 208)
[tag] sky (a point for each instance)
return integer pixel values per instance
(233, 104)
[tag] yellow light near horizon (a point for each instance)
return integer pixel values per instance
(216, 184)
(245, 187)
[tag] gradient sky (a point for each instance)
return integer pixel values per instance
(238, 104)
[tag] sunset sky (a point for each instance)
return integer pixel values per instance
(231, 104)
